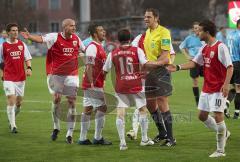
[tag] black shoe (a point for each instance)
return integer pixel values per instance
(14, 130)
(159, 138)
(55, 134)
(236, 115)
(169, 143)
(102, 141)
(226, 113)
(85, 142)
(69, 140)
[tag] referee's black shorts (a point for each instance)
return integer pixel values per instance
(158, 83)
(196, 72)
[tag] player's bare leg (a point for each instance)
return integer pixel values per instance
(18, 105)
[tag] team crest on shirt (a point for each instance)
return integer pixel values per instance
(212, 54)
(74, 43)
(20, 48)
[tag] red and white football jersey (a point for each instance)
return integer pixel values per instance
(127, 61)
(14, 55)
(62, 56)
(96, 56)
(215, 60)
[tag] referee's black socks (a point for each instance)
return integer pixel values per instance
(159, 122)
(196, 94)
(167, 117)
(237, 103)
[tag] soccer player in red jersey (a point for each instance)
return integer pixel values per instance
(13, 54)
(64, 49)
(93, 82)
(218, 70)
(128, 61)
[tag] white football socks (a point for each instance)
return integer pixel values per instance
(99, 124)
(55, 116)
(221, 139)
(71, 117)
(85, 125)
(144, 126)
(120, 123)
(211, 123)
(11, 116)
(135, 121)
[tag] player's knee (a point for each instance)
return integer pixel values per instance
(143, 110)
(121, 113)
(18, 103)
(202, 117)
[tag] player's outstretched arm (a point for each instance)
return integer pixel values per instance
(186, 66)
(34, 38)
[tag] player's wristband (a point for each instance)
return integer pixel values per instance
(29, 67)
(178, 67)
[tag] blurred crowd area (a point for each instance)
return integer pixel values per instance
(135, 24)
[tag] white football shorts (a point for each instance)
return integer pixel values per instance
(65, 85)
(14, 88)
(212, 102)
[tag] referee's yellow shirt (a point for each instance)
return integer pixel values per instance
(155, 41)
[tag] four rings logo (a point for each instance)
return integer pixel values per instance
(68, 50)
(15, 53)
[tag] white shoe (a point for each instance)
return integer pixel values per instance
(123, 147)
(149, 142)
(131, 134)
(217, 154)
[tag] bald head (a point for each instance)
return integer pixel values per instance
(69, 27)
(67, 22)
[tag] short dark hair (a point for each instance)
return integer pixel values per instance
(195, 23)
(238, 22)
(93, 28)
(124, 35)
(154, 11)
(10, 25)
(209, 26)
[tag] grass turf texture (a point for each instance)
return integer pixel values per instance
(32, 143)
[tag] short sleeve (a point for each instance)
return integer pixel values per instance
(223, 55)
(165, 40)
(91, 53)
(50, 39)
(141, 56)
(136, 40)
(108, 63)
(27, 55)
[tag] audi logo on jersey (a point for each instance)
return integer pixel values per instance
(15, 53)
(68, 50)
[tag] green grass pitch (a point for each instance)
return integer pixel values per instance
(33, 144)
